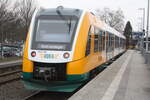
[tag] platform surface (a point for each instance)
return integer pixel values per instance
(128, 78)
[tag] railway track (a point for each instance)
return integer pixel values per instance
(18, 92)
(59, 95)
(10, 77)
(10, 66)
(10, 71)
(48, 96)
(31, 95)
(40, 95)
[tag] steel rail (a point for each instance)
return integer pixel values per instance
(31, 95)
(9, 73)
(9, 81)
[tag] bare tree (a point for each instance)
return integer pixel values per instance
(26, 10)
(113, 18)
(15, 18)
(4, 17)
(3, 11)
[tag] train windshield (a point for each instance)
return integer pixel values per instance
(54, 30)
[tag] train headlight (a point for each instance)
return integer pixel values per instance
(33, 53)
(66, 55)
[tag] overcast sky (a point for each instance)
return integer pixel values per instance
(129, 7)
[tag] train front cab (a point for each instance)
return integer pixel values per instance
(90, 51)
(71, 74)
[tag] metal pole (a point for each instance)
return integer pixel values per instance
(143, 18)
(142, 37)
(2, 42)
(147, 27)
(143, 29)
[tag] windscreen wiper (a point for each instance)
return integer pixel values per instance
(69, 25)
(63, 18)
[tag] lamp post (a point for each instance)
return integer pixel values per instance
(143, 26)
(147, 54)
(143, 9)
(147, 29)
(1, 42)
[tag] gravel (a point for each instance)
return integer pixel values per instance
(14, 91)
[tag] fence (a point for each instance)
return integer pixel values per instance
(145, 53)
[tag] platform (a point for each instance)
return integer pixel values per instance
(128, 78)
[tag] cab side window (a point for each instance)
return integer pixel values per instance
(88, 45)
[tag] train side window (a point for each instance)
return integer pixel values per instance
(108, 40)
(88, 45)
(121, 43)
(115, 41)
(100, 40)
(118, 42)
(112, 38)
(103, 40)
(96, 35)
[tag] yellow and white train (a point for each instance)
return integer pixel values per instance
(65, 46)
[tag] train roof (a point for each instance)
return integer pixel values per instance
(102, 25)
(112, 30)
(64, 11)
(78, 13)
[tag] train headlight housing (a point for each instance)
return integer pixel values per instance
(33, 53)
(66, 55)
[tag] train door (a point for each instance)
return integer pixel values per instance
(109, 48)
(119, 45)
(96, 40)
(92, 39)
(97, 45)
(112, 45)
(115, 45)
(88, 46)
(104, 45)
(100, 44)
(107, 45)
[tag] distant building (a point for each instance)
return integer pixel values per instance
(137, 35)
(137, 38)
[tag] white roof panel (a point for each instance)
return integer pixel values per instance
(112, 30)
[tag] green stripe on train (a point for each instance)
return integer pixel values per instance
(81, 77)
(72, 83)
